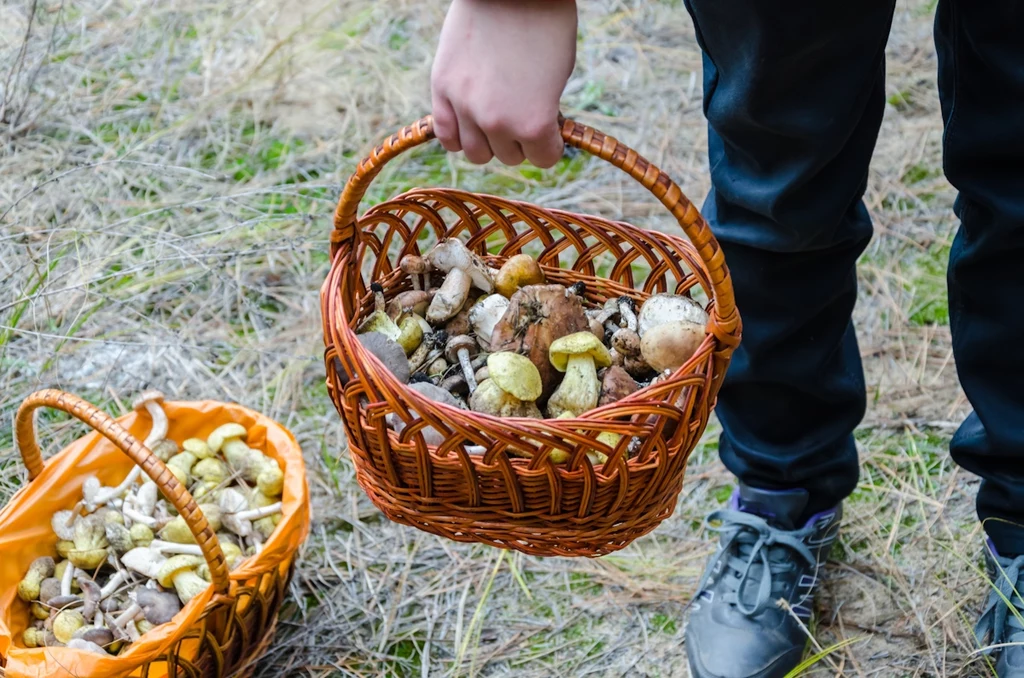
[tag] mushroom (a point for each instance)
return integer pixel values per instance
(519, 271)
(179, 572)
(464, 269)
(485, 314)
(116, 579)
(120, 537)
(236, 515)
(65, 571)
(91, 594)
(451, 254)
(144, 560)
(49, 588)
(159, 607)
(578, 355)
(437, 368)
(32, 637)
(455, 384)
(665, 308)
(183, 548)
(40, 611)
(254, 466)
(90, 543)
(180, 465)
(141, 534)
(669, 345)
(427, 352)
(616, 385)
(66, 623)
(416, 268)
(536, 316)
(164, 449)
(460, 349)
(379, 320)
(627, 313)
(211, 470)
(388, 352)
(62, 524)
(413, 302)
(431, 436)
(40, 569)
(224, 433)
(198, 447)
(626, 343)
(94, 634)
(410, 334)
(482, 373)
(87, 645)
(512, 389)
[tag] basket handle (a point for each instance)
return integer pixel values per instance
(86, 412)
(725, 321)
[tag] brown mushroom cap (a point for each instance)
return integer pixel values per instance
(436, 393)
(519, 271)
(388, 352)
(580, 343)
(616, 385)
(456, 344)
(669, 345)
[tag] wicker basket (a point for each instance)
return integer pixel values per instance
(527, 504)
(219, 633)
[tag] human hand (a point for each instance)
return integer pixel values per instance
(498, 74)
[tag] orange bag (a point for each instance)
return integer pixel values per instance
(219, 632)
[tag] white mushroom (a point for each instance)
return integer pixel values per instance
(151, 401)
(143, 560)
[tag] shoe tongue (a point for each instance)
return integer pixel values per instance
(782, 509)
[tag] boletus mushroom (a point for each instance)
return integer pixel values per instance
(388, 352)
(484, 315)
(536, 316)
(519, 271)
(40, 569)
(511, 389)
(616, 385)
(578, 355)
(379, 320)
(179, 572)
(464, 270)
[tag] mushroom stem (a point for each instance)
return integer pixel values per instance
(128, 615)
(65, 582)
(132, 631)
(151, 401)
(170, 547)
(627, 311)
(105, 497)
(116, 580)
(467, 369)
(137, 517)
(257, 513)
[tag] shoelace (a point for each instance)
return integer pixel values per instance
(741, 530)
(996, 618)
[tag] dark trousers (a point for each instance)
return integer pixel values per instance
(794, 95)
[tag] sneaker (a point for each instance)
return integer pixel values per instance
(736, 627)
(1000, 625)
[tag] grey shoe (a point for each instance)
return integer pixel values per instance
(999, 625)
(736, 629)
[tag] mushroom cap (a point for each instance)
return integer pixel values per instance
(580, 343)
(94, 634)
(515, 374)
(60, 526)
(174, 565)
(150, 396)
(616, 385)
(389, 352)
(519, 271)
(87, 645)
(413, 265)
(436, 393)
(224, 432)
(452, 253)
(158, 606)
(459, 343)
(663, 308)
(49, 588)
(669, 345)
(66, 623)
(626, 342)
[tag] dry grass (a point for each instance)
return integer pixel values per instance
(168, 170)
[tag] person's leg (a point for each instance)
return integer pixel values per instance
(794, 96)
(981, 86)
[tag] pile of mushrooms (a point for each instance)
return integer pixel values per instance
(510, 343)
(126, 562)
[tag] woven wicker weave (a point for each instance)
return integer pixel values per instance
(498, 498)
(237, 625)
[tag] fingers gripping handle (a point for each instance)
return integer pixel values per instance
(27, 444)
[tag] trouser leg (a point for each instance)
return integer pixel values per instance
(981, 86)
(794, 96)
